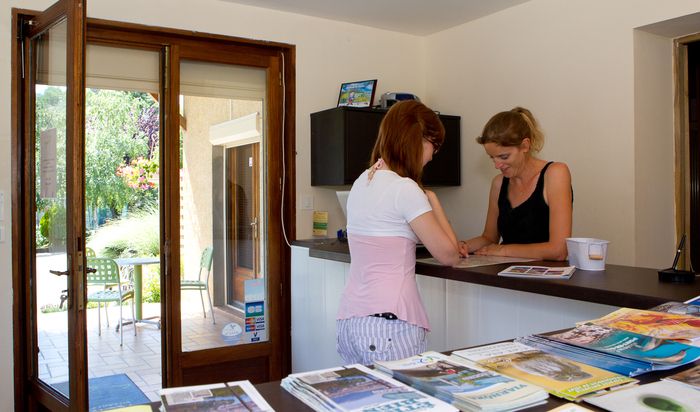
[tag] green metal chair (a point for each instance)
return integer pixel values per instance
(202, 284)
(106, 272)
(90, 252)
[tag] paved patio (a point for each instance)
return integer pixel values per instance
(139, 358)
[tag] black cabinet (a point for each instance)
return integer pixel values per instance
(342, 140)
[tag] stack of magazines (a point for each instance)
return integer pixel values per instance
(358, 388)
(239, 396)
(464, 385)
(560, 376)
(616, 350)
(657, 324)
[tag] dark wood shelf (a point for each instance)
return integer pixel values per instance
(342, 140)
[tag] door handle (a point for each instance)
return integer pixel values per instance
(59, 273)
(254, 227)
(90, 270)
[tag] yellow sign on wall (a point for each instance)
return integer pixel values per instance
(320, 223)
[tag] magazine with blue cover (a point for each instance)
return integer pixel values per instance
(640, 353)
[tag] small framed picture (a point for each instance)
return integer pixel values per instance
(357, 94)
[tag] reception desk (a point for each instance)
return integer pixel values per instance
(466, 307)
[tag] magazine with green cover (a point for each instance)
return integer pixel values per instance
(560, 376)
(463, 384)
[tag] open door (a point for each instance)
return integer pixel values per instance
(49, 167)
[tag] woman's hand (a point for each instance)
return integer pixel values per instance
(493, 249)
(463, 248)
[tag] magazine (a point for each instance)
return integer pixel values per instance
(693, 301)
(477, 260)
(358, 388)
(561, 377)
(689, 377)
(652, 397)
(657, 324)
(233, 396)
(464, 385)
(678, 308)
(620, 351)
(538, 272)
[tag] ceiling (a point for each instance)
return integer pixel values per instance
(417, 17)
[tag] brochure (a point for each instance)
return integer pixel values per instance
(239, 396)
(620, 351)
(463, 384)
(678, 308)
(657, 324)
(538, 272)
(561, 377)
(689, 377)
(693, 301)
(358, 388)
(652, 397)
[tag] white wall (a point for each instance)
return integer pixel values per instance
(573, 64)
(328, 54)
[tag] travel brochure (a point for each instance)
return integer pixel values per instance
(620, 351)
(358, 388)
(465, 385)
(239, 396)
(560, 376)
(690, 307)
(657, 324)
(538, 272)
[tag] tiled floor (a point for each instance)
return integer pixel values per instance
(139, 357)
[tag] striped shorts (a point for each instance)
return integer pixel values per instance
(366, 339)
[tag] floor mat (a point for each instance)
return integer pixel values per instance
(110, 391)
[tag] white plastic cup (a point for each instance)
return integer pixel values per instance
(587, 253)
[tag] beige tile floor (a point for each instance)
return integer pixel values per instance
(139, 357)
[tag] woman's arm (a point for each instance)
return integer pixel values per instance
(490, 235)
(435, 231)
(557, 194)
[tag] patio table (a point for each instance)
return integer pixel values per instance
(137, 263)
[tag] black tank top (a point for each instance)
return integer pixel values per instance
(527, 223)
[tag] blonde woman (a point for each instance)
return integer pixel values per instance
(531, 200)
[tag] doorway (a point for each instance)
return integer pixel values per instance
(255, 259)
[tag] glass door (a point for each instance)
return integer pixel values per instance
(54, 46)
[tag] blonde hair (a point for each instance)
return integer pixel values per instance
(511, 128)
(400, 140)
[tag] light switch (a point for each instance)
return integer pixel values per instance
(307, 202)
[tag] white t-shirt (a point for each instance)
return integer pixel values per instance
(385, 205)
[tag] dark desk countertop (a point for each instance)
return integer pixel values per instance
(624, 286)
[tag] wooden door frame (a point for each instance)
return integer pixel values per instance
(23, 178)
(177, 44)
(233, 222)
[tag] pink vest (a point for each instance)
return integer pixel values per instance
(383, 279)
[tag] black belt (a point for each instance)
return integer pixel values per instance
(385, 315)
